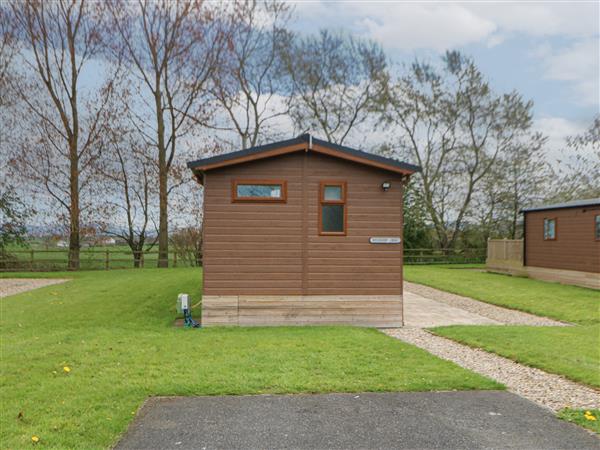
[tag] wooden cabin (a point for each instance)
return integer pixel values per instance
(302, 232)
(562, 242)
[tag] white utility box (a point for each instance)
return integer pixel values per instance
(183, 302)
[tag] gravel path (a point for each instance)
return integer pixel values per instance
(12, 286)
(503, 315)
(548, 390)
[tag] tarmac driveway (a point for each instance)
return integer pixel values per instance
(475, 419)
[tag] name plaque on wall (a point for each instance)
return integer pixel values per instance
(385, 240)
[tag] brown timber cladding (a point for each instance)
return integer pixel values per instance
(265, 263)
(575, 246)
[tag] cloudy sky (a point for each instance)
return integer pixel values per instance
(547, 50)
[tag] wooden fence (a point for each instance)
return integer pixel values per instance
(505, 255)
(117, 258)
(34, 260)
(449, 256)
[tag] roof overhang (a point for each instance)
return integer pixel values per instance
(304, 143)
(592, 203)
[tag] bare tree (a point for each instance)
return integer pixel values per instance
(173, 48)
(577, 174)
(524, 180)
(248, 83)
(337, 82)
(455, 128)
(8, 50)
(61, 39)
(188, 245)
(128, 183)
(488, 206)
(519, 178)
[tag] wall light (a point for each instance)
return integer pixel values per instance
(386, 185)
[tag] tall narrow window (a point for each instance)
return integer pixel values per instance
(597, 229)
(549, 229)
(259, 191)
(332, 208)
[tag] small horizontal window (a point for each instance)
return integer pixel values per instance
(598, 227)
(549, 229)
(332, 193)
(259, 190)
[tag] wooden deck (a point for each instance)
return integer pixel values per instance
(361, 310)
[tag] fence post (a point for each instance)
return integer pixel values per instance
(107, 260)
(174, 259)
(141, 259)
(31, 260)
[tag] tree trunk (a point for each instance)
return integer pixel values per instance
(74, 207)
(163, 223)
(137, 259)
(515, 217)
(163, 226)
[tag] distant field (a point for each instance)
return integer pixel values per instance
(38, 257)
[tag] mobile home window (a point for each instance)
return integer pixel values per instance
(597, 229)
(259, 190)
(549, 229)
(332, 209)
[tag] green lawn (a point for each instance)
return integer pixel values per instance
(113, 330)
(568, 303)
(588, 418)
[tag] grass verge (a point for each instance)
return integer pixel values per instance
(573, 352)
(587, 418)
(113, 330)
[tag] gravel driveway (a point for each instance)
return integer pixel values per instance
(493, 313)
(12, 286)
(545, 389)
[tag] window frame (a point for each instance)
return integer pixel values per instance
(596, 236)
(323, 202)
(262, 182)
(555, 219)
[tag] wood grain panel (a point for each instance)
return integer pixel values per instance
(262, 249)
(373, 311)
(575, 247)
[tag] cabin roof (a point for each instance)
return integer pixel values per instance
(305, 142)
(565, 205)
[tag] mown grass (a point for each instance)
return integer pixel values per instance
(114, 331)
(588, 418)
(573, 352)
(562, 302)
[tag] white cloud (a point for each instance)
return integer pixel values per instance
(578, 64)
(442, 25)
(439, 26)
(572, 19)
(425, 25)
(557, 129)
